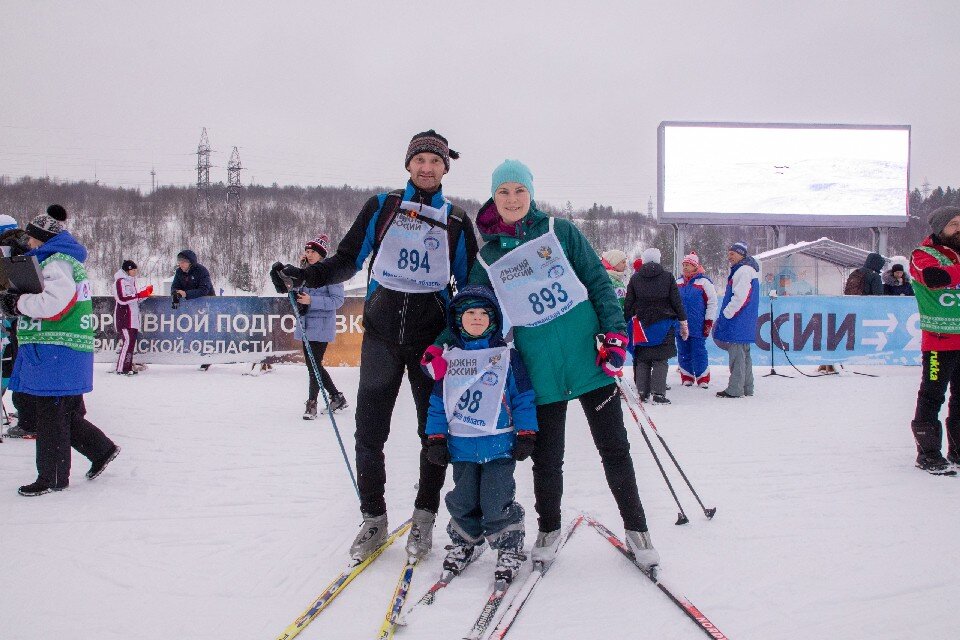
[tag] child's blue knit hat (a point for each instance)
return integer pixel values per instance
(512, 171)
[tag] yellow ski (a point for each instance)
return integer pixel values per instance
(338, 585)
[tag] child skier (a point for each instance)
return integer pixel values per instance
(482, 418)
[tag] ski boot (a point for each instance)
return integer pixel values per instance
(639, 544)
(373, 531)
(461, 552)
(510, 556)
(545, 548)
(420, 539)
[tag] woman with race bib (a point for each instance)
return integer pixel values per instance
(556, 294)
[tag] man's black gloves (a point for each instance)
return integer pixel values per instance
(286, 277)
(275, 276)
(8, 304)
(296, 274)
(935, 277)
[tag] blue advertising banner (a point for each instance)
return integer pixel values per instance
(835, 329)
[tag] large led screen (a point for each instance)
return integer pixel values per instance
(789, 174)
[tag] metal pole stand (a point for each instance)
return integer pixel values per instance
(773, 345)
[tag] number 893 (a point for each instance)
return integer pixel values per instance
(546, 299)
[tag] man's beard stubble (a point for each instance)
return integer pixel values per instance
(951, 241)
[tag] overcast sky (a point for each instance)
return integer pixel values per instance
(330, 92)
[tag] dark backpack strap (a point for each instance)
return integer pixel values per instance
(454, 229)
(388, 211)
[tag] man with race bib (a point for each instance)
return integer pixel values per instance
(555, 292)
(417, 242)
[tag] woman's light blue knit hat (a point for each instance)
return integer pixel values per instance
(512, 171)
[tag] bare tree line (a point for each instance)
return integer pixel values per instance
(273, 223)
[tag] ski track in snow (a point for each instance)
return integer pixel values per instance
(226, 514)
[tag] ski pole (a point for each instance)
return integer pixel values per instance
(681, 517)
(709, 513)
(315, 370)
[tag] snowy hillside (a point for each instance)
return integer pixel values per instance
(226, 514)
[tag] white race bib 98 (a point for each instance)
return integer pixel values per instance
(473, 390)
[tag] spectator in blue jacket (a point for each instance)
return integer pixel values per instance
(191, 280)
(483, 419)
(318, 309)
(736, 324)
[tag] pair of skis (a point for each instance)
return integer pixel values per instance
(394, 616)
(498, 594)
(506, 622)
(488, 614)
(339, 583)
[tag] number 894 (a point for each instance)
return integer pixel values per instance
(413, 260)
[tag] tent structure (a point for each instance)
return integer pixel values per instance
(815, 267)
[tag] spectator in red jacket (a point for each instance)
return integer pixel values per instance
(935, 267)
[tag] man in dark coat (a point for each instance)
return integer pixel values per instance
(872, 282)
(192, 280)
(652, 309)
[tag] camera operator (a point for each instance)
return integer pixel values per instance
(14, 242)
(54, 366)
(191, 280)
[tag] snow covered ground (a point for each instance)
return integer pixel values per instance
(226, 514)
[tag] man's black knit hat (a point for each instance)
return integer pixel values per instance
(430, 142)
(46, 225)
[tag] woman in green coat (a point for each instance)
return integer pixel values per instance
(554, 290)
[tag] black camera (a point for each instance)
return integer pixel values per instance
(175, 300)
